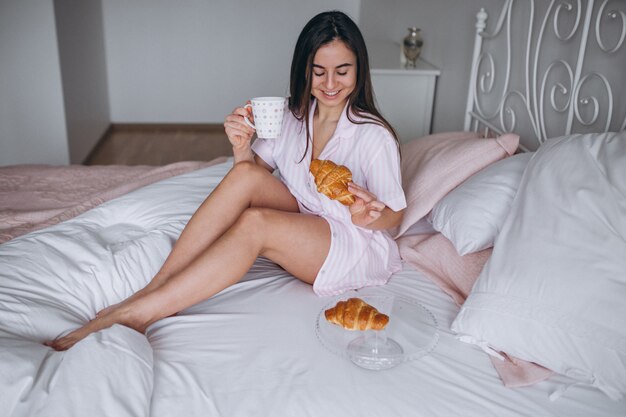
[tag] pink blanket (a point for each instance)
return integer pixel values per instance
(36, 196)
(435, 256)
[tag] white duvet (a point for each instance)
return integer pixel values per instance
(249, 351)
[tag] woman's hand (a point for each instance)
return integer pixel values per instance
(240, 134)
(366, 209)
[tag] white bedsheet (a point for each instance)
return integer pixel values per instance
(249, 351)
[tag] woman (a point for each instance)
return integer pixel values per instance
(335, 248)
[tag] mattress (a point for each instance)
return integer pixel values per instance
(250, 350)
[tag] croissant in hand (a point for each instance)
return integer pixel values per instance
(332, 180)
(356, 314)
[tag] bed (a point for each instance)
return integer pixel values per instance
(498, 246)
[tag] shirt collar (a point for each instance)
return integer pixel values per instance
(345, 128)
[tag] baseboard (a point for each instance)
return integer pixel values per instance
(168, 126)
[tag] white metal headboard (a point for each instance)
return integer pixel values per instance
(566, 75)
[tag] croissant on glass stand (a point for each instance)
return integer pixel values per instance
(332, 180)
(356, 314)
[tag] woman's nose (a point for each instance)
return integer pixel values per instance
(330, 81)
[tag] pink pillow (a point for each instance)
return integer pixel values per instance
(433, 165)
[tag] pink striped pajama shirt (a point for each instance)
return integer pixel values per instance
(358, 257)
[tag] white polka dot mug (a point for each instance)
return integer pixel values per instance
(268, 116)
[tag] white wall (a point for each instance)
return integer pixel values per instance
(53, 93)
(83, 70)
(447, 28)
(32, 118)
(193, 61)
(189, 61)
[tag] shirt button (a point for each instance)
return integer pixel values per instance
(334, 234)
(322, 272)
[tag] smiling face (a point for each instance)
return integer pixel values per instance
(334, 74)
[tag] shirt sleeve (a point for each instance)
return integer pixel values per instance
(264, 148)
(384, 178)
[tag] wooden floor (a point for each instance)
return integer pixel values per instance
(160, 144)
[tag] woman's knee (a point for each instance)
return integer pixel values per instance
(253, 222)
(260, 187)
(247, 178)
(247, 171)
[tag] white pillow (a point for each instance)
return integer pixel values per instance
(554, 290)
(472, 214)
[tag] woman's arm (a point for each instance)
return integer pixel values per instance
(370, 213)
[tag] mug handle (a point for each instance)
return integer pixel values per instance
(245, 118)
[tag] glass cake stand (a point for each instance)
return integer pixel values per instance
(411, 333)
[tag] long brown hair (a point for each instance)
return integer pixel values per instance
(321, 30)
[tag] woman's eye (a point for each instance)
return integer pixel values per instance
(342, 73)
(318, 75)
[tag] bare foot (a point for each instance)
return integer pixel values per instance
(106, 318)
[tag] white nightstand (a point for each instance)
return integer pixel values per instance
(405, 97)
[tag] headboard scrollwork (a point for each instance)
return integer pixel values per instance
(566, 75)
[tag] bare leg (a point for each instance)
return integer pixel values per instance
(257, 232)
(246, 185)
